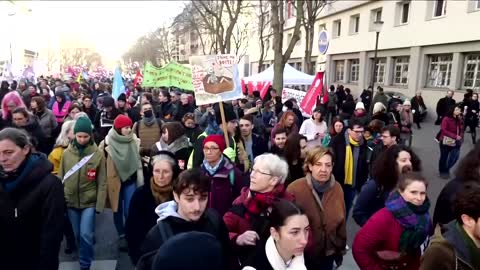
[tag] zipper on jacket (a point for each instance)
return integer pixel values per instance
(16, 212)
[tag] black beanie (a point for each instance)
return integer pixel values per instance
(229, 113)
(108, 101)
(185, 250)
(122, 97)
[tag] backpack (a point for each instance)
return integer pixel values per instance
(145, 262)
(137, 127)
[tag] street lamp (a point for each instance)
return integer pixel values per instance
(377, 27)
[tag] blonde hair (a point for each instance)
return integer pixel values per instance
(62, 139)
(314, 154)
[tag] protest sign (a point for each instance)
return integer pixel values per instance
(171, 75)
(215, 78)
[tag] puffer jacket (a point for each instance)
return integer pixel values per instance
(80, 192)
(225, 185)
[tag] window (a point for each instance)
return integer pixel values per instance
(289, 38)
(375, 16)
(354, 24)
(440, 8)
(405, 9)
(380, 70)
(478, 4)
(378, 15)
(290, 9)
(400, 72)
(439, 70)
(471, 75)
(337, 28)
(354, 70)
(339, 70)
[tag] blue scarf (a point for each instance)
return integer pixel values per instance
(213, 169)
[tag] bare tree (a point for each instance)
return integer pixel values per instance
(156, 47)
(79, 57)
(219, 24)
(264, 31)
(312, 10)
(280, 57)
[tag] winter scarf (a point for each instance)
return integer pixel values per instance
(260, 202)
(349, 161)
(276, 260)
(180, 143)
(124, 152)
(161, 194)
(10, 180)
(149, 121)
(415, 221)
(321, 188)
(213, 169)
(472, 248)
(81, 148)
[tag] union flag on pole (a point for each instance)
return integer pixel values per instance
(138, 78)
(309, 101)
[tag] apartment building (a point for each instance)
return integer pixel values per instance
(431, 46)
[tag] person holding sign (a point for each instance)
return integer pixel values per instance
(83, 173)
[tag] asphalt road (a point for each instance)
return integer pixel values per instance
(109, 258)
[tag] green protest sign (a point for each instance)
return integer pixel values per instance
(171, 75)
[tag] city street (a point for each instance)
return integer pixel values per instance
(108, 257)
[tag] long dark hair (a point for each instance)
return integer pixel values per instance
(283, 209)
(384, 170)
(332, 126)
(292, 147)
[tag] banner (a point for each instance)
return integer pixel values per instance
(315, 90)
(171, 75)
(215, 78)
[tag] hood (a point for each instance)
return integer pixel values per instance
(167, 209)
(454, 237)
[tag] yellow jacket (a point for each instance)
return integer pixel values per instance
(55, 158)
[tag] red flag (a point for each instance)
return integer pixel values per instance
(315, 90)
(264, 89)
(138, 78)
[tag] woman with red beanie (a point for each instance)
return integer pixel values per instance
(124, 170)
(226, 181)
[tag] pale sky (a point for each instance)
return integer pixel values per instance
(111, 26)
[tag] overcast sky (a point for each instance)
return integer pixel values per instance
(112, 26)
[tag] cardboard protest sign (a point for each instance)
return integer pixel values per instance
(215, 78)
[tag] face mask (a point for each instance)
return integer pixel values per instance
(284, 109)
(148, 113)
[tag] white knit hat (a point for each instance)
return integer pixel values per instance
(407, 102)
(360, 105)
(378, 107)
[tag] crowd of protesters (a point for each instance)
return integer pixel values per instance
(261, 187)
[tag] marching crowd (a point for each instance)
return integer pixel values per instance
(248, 184)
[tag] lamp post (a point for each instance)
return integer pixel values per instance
(377, 26)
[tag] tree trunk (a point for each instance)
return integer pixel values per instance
(277, 6)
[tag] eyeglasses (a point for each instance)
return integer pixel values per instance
(211, 149)
(256, 171)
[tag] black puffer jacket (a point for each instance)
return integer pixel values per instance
(31, 216)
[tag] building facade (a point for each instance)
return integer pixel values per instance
(428, 46)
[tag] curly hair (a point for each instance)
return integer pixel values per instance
(469, 167)
(384, 170)
(285, 115)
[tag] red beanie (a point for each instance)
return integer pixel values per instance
(122, 121)
(218, 139)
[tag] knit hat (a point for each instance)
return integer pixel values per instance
(218, 139)
(229, 113)
(122, 121)
(202, 250)
(122, 97)
(378, 107)
(359, 106)
(108, 101)
(83, 124)
(407, 102)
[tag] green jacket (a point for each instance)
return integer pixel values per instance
(79, 191)
(447, 251)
